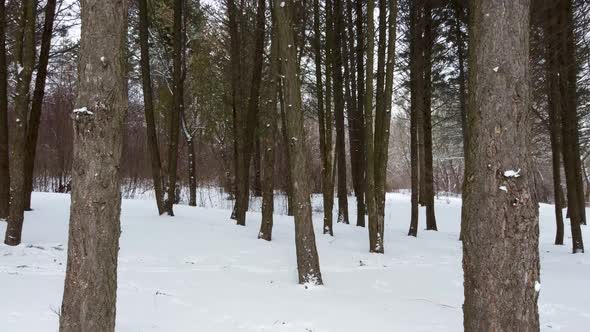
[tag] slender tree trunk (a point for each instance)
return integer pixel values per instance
(257, 156)
(37, 103)
(338, 13)
(268, 124)
(174, 118)
(192, 174)
(385, 69)
(307, 257)
(4, 170)
(565, 57)
(355, 116)
(416, 111)
(427, 119)
(289, 193)
(360, 49)
(90, 289)
(374, 243)
(554, 108)
(151, 134)
(25, 61)
(324, 128)
(501, 239)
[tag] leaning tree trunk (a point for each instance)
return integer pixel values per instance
(37, 103)
(501, 239)
(4, 172)
(151, 134)
(337, 14)
(25, 61)
(308, 265)
(268, 126)
(90, 289)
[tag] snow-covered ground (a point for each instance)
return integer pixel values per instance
(200, 272)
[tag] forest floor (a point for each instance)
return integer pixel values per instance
(200, 272)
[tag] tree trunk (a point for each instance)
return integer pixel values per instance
(192, 174)
(325, 127)
(37, 103)
(385, 69)
(360, 115)
(554, 109)
(4, 171)
(565, 57)
(355, 117)
(257, 156)
(427, 121)
(25, 62)
(501, 239)
(151, 134)
(337, 63)
(89, 298)
(174, 118)
(416, 110)
(307, 257)
(289, 193)
(374, 244)
(268, 126)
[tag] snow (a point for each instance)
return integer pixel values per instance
(495, 69)
(512, 173)
(83, 110)
(199, 272)
(282, 4)
(503, 188)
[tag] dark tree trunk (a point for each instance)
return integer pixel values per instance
(192, 174)
(289, 193)
(415, 110)
(307, 257)
(374, 244)
(37, 103)
(174, 117)
(501, 239)
(337, 13)
(257, 156)
(360, 115)
(554, 109)
(4, 171)
(268, 126)
(355, 127)
(385, 69)
(151, 134)
(25, 59)
(566, 80)
(90, 289)
(325, 126)
(427, 121)
(249, 121)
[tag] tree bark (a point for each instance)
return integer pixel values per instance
(151, 134)
(501, 239)
(360, 115)
(37, 103)
(25, 62)
(268, 123)
(89, 301)
(4, 169)
(325, 127)
(174, 117)
(427, 119)
(192, 173)
(416, 110)
(337, 63)
(374, 244)
(307, 257)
